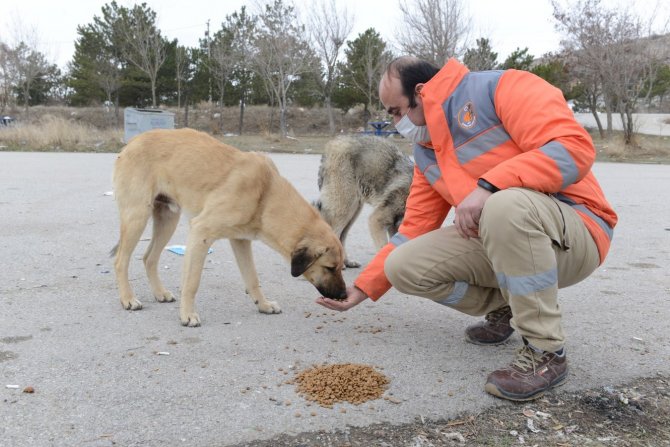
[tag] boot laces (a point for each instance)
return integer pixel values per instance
(497, 314)
(527, 358)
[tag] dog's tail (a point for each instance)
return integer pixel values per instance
(113, 251)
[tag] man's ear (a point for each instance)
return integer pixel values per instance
(417, 94)
(301, 259)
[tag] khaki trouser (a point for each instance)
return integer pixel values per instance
(530, 245)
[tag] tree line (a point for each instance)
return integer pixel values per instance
(610, 60)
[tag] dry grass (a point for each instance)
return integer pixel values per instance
(55, 133)
(94, 129)
(646, 148)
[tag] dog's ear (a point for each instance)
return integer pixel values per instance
(301, 259)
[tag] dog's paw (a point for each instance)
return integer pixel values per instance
(190, 320)
(351, 264)
(164, 297)
(131, 304)
(269, 307)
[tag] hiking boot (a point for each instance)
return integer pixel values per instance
(529, 376)
(494, 331)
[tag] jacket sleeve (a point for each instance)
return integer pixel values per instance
(425, 211)
(557, 150)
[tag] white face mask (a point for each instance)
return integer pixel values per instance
(411, 131)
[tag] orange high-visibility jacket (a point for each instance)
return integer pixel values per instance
(511, 128)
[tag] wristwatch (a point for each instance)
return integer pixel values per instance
(487, 186)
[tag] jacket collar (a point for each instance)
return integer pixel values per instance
(434, 93)
(443, 84)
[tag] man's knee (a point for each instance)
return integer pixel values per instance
(498, 205)
(504, 208)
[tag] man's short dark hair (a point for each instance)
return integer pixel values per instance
(411, 71)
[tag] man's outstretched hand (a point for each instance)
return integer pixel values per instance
(354, 296)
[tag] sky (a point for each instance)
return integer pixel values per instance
(509, 24)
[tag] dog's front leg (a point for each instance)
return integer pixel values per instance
(194, 261)
(245, 262)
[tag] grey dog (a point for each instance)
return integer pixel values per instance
(358, 170)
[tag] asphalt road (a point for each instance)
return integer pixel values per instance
(102, 375)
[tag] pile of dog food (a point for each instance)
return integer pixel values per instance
(345, 382)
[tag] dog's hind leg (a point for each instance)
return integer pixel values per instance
(164, 225)
(343, 236)
(379, 224)
(133, 221)
(245, 262)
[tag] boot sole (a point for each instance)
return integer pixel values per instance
(474, 341)
(494, 390)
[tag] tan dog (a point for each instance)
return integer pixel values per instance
(231, 195)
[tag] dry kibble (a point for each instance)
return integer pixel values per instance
(29, 390)
(347, 382)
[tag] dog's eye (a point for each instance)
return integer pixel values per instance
(331, 269)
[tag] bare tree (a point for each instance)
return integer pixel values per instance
(584, 25)
(182, 63)
(328, 29)
(438, 29)
(220, 63)
(610, 48)
(143, 44)
(7, 75)
(283, 54)
(98, 59)
(243, 55)
(23, 62)
(231, 56)
(108, 77)
(29, 65)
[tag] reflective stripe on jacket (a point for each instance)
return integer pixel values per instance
(510, 128)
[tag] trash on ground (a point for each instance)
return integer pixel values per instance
(181, 249)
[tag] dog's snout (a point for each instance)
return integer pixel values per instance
(338, 294)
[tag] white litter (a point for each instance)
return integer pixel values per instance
(181, 249)
(531, 426)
